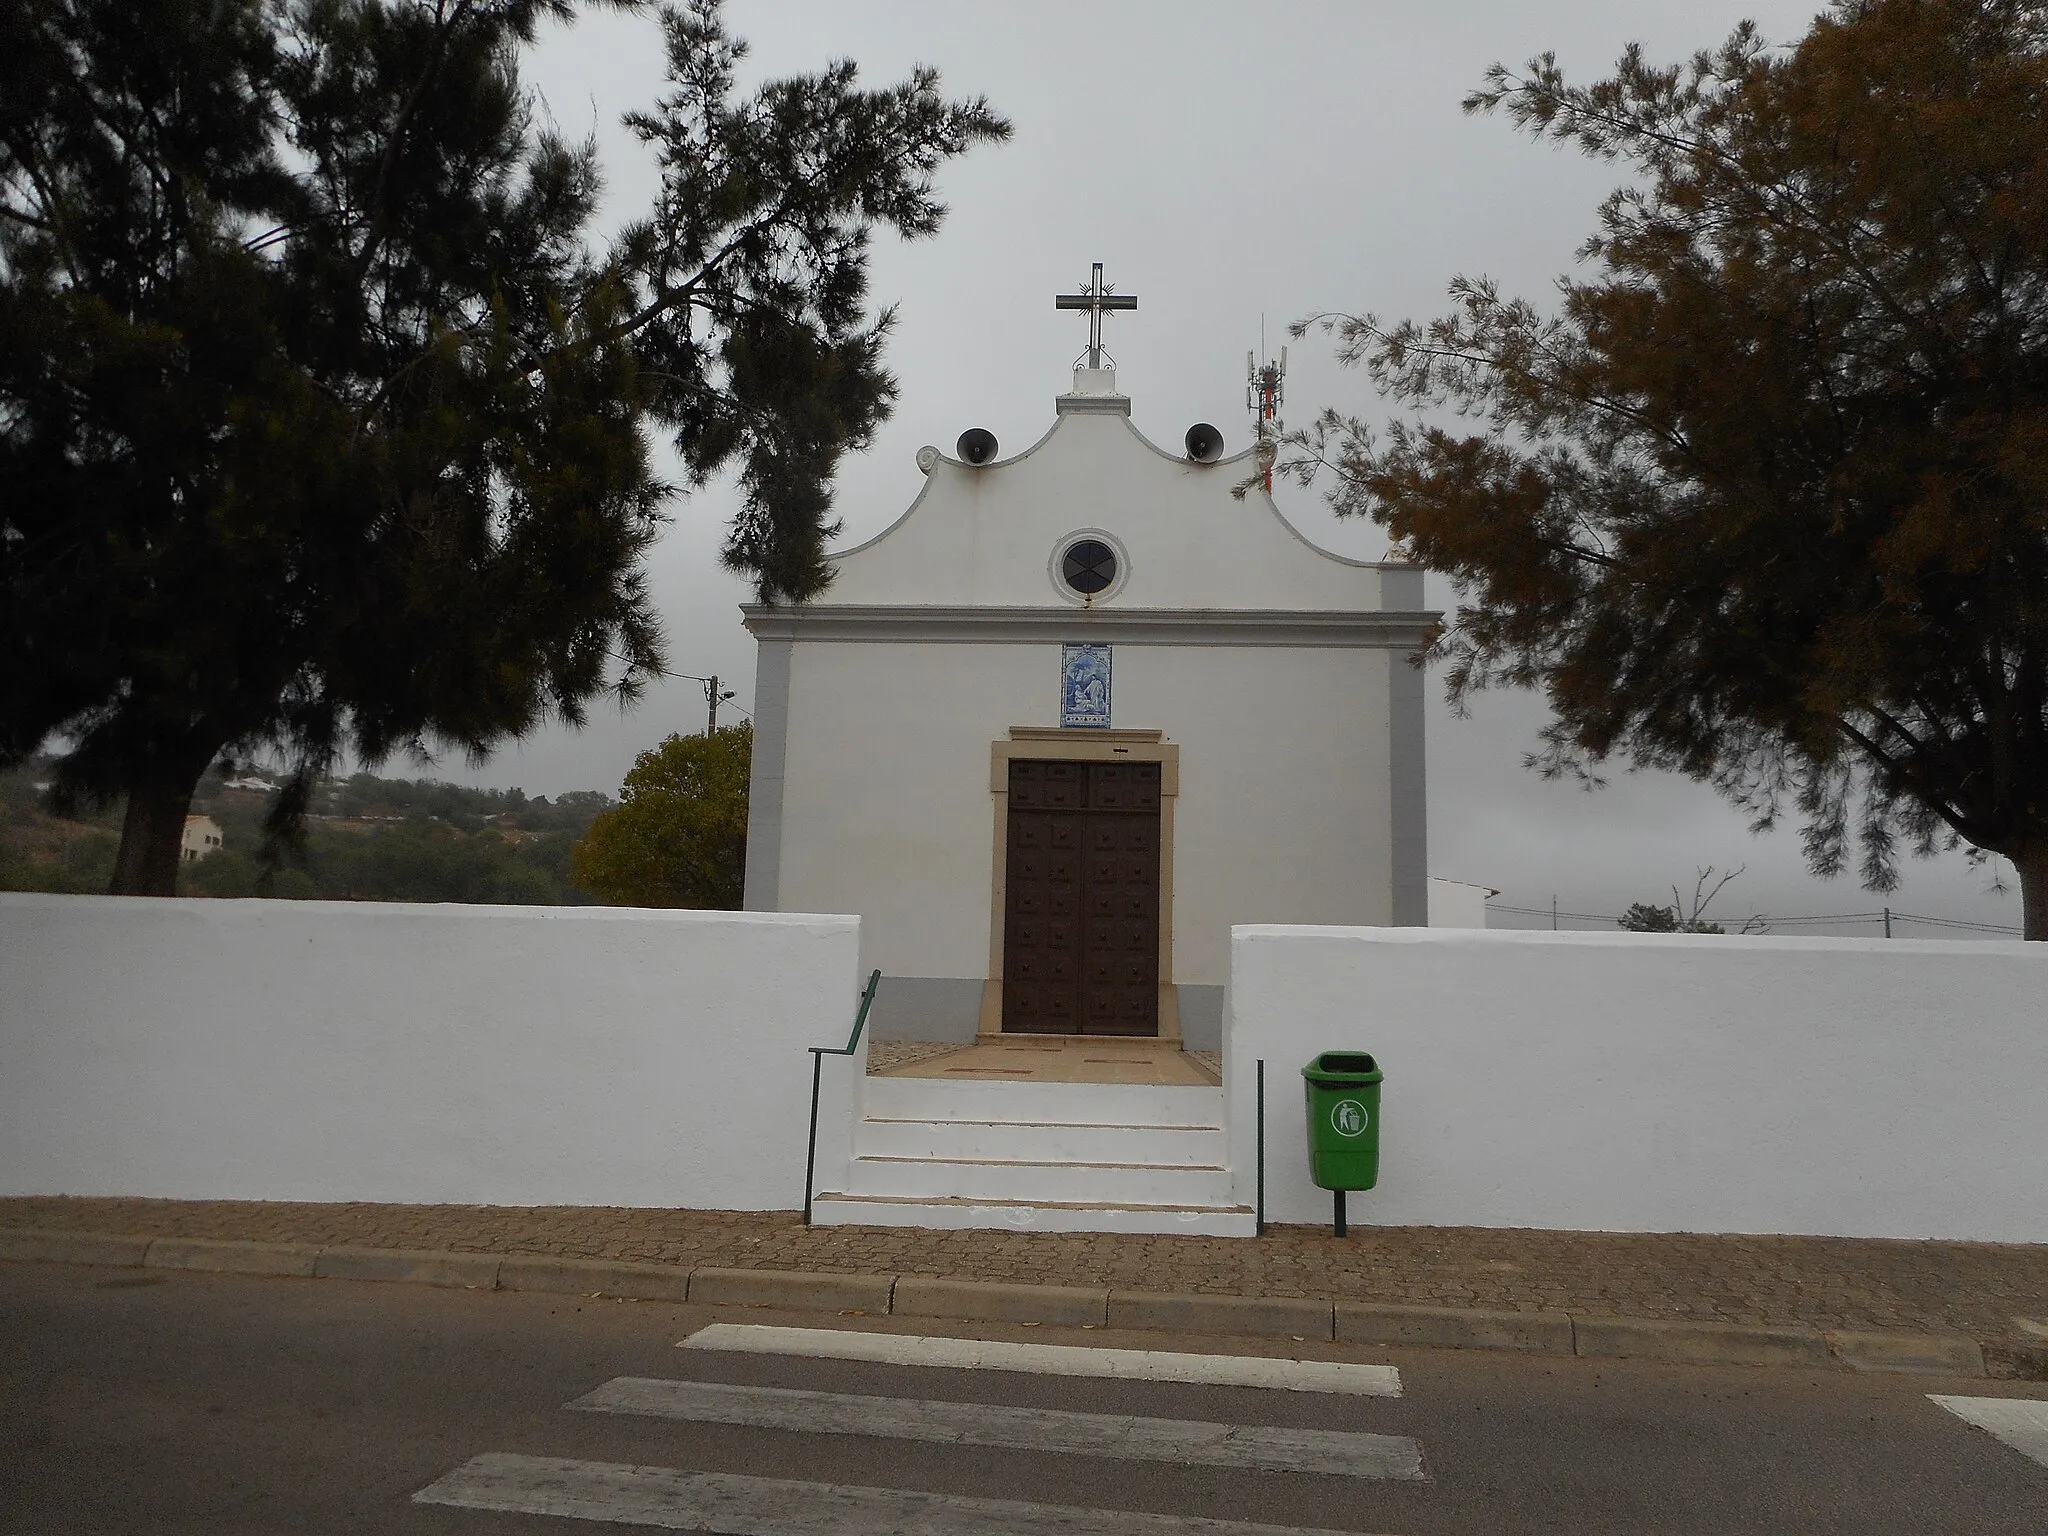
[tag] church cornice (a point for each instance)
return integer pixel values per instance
(1092, 405)
(1360, 630)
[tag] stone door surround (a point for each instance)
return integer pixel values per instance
(1092, 745)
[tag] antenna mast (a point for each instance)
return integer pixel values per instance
(1264, 390)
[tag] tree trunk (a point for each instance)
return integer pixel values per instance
(2033, 868)
(153, 832)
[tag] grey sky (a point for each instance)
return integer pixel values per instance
(1228, 163)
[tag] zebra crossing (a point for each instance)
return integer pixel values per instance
(739, 1504)
(729, 1504)
(2019, 1422)
(1120, 1437)
(1051, 1359)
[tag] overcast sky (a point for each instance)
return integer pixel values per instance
(1235, 166)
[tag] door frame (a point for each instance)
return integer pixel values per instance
(1055, 744)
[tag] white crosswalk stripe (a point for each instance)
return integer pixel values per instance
(2020, 1422)
(1116, 1436)
(1052, 1359)
(759, 1506)
(679, 1499)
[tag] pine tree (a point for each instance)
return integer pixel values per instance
(322, 423)
(1765, 500)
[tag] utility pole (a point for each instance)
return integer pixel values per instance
(1887, 922)
(1553, 914)
(713, 697)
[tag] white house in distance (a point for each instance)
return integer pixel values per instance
(1075, 713)
(1458, 903)
(202, 837)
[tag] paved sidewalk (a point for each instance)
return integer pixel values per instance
(1994, 1292)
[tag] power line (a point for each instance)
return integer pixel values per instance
(714, 696)
(1954, 922)
(1590, 917)
(727, 699)
(1887, 915)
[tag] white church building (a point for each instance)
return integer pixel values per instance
(1078, 711)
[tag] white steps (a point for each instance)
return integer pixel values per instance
(841, 1210)
(1000, 1140)
(1041, 1179)
(1038, 1156)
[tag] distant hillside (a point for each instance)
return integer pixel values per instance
(367, 839)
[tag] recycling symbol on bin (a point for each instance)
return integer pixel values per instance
(1348, 1117)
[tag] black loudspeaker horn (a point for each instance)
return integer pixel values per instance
(1205, 443)
(977, 445)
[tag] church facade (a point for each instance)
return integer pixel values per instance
(1074, 715)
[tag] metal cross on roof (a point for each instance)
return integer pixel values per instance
(1095, 301)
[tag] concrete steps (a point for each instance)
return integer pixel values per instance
(1008, 1140)
(1051, 1157)
(1042, 1179)
(843, 1210)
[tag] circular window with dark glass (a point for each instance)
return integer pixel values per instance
(1089, 566)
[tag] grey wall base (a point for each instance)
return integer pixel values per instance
(1201, 1018)
(926, 1008)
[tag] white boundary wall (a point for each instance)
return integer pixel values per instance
(1640, 1082)
(274, 1050)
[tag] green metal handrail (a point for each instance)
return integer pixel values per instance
(818, 1055)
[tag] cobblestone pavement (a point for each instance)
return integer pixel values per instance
(885, 1054)
(1985, 1289)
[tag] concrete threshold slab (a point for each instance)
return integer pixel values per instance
(1057, 1059)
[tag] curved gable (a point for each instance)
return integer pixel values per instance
(985, 536)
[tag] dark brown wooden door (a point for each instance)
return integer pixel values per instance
(1081, 904)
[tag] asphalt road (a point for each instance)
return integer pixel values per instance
(138, 1401)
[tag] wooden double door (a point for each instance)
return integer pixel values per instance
(1081, 899)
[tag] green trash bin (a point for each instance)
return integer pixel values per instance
(1343, 1093)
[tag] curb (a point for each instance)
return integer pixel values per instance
(1633, 1338)
(222, 1257)
(796, 1290)
(1585, 1335)
(1535, 1333)
(1249, 1316)
(472, 1271)
(33, 1247)
(983, 1301)
(1912, 1354)
(595, 1277)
